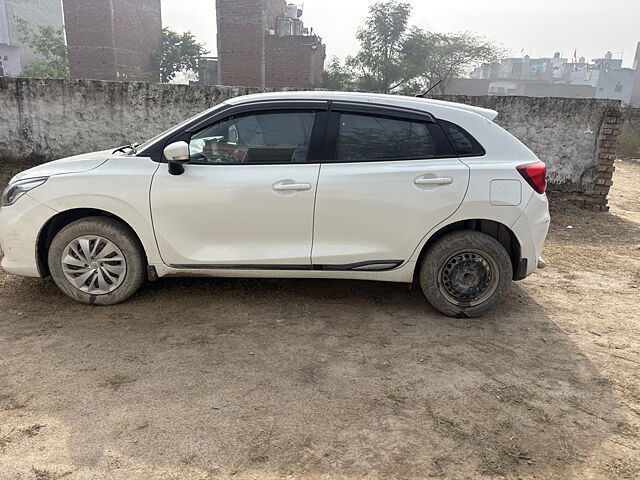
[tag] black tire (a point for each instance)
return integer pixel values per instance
(465, 274)
(118, 234)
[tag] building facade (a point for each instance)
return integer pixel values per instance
(635, 94)
(14, 55)
(114, 39)
(558, 77)
(263, 43)
(608, 78)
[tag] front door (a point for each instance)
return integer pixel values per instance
(246, 197)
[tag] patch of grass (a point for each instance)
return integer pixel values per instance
(188, 458)
(115, 382)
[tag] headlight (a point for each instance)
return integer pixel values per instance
(14, 191)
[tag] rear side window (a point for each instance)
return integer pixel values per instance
(463, 143)
(370, 138)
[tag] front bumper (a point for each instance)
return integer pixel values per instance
(20, 225)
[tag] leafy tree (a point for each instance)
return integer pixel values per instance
(395, 57)
(49, 44)
(180, 53)
(390, 53)
(454, 56)
(339, 76)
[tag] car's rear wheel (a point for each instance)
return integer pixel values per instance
(466, 273)
(97, 260)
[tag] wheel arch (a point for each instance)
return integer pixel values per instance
(56, 223)
(499, 231)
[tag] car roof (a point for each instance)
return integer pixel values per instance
(432, 106)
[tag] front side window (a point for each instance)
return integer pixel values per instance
(371, 138)
(266, 137)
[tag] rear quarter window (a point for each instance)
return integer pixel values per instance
(462, 142)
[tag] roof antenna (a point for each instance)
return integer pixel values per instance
(424, 95)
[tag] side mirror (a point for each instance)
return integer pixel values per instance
(177, 154)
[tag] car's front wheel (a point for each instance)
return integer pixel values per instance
(97, 260)
(466, 273)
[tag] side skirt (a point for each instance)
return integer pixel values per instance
(371, 266)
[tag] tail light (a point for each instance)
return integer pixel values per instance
(535, 174)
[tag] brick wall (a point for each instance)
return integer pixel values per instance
(610, 129)
(290, 61)
(295, 61)
(114, 39)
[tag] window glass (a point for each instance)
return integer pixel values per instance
(366, 137)
(463, 143)
(255, 138)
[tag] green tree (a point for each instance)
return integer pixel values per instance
(454, 56)
(339, 76)
(390, 53)
(49, 44)
(180, 53)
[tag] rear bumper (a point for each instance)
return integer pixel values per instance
(531, 230)
(20, 225)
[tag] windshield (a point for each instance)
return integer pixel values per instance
(175, 128)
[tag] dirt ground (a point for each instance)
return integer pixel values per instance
(198, 379)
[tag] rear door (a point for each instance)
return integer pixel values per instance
(393, 176)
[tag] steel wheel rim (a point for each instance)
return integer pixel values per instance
(468, 277)
(94, 265)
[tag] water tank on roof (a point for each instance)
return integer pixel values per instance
(292, 11)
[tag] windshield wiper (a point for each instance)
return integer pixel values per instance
(131, 147)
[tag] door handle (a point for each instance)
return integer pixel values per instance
(292, 187)
(433, 181)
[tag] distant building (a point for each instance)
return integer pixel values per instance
(114, 39)
(208, 71)
(635, 95)
(14, 56)
(557, 77)
(265, 43)
(608, 77)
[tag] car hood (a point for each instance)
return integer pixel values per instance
(75, 164)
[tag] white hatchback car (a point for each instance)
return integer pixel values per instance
(295, 184)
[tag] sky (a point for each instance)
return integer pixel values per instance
(536, 27)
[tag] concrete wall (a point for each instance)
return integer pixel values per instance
(48, 119)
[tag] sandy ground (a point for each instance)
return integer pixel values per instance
(196, 379)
